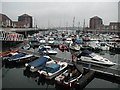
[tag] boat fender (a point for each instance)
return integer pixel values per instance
(56, 62)
(70, 84)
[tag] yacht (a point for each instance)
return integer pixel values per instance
(90, 57)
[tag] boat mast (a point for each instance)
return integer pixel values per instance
(73, 22)
(84, 26)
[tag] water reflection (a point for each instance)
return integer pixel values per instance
(11, 65)
(43, 81)
(30, 74)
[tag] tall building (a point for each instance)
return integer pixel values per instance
(25, 21)
(96, 22)
(5, 21)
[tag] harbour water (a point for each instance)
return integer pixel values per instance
(17, 76)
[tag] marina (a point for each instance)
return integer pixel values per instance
(60, 45)
(90, 70)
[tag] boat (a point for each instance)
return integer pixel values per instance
(74, 46)
(18, 57)
(51, 40)
(53, 69)
(69, 77)
(9, 55)
(68, 40)
(38, 63)
(90, 57)
(103, 45)
(94, 45)
(9, 52)
(63, 47)
(26, 47)
(114, 46)
(47, 50)
(42, 40)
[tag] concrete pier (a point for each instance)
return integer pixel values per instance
(85, 80)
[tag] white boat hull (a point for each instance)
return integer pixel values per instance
(96, 62)
(52, 75)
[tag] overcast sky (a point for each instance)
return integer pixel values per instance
(57, 14)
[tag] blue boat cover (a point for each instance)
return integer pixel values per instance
(51, 68)
(87, 52)
(41, 50)
(16, 56)
(34, 40)
(41, 61)
(78, 41)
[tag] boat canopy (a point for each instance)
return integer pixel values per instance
(78, 41)
(41, 61)
(34, 40)
(16, 56)
(51, 68)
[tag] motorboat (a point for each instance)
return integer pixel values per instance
(69, 77)
(9, 55)
(9, 52)
(51, 40)
(94, 45)
(68, 40)
(75, 46)
(63, 47)
(90, 57)
(39, 63)
(42, 40)
(53, 69)
(47, 50)
(26, 47)
(114, 46)
(103, 45)
(18, 57)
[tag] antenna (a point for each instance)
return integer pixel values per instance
(66, 25)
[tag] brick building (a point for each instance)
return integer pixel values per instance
(96, 22)
(114, 25)
(5, 21)
(24, 21)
